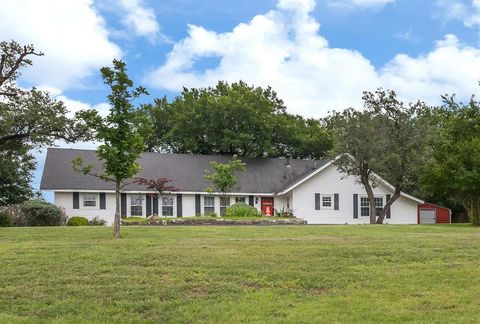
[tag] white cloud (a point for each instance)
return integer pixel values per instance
(359, 3)
(140, 18)
(72, 35)
(469, 13)
(450, 67)
(283, 49)
(75, 105)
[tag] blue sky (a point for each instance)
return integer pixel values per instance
(318, 55)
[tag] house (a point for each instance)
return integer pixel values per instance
(315, 190)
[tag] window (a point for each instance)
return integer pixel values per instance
(89, 200)
(365, 206)
(167, 206)
(224, 203)
(209, 205)
(136, 203)
(240, 200)
(327, 201)
(378, 205)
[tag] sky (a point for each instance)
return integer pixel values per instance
(317, 55)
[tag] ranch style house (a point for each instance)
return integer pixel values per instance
(315, 190)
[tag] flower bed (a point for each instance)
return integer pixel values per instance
(157, 221)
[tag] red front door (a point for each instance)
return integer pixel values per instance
(267, 206)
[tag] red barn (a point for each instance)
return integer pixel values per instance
(433, 214)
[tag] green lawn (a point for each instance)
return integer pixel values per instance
(233, 274)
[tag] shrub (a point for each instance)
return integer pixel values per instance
(134, 221)
(4, 220)
(285, 212)
(77, 221)
(242, 210)
(96, 221)
(42, 213)
(154, 219)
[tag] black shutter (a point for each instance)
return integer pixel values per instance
(179, 206)
(155, 205)
(388, 211)
(198, 211)
(335, 202)
(250, 200)
(103, 203)
(123, 204)
(355, 205)
(76, 200)
(148, 200)
(317, 201)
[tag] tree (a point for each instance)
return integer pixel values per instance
(388, 139)
(122, 133)
(160, 186)
(224, 177)
(29, 119)
(455, 168)
(233, 119)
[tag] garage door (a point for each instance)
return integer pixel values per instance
(427, 216)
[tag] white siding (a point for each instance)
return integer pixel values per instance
(280, 202)
(65, 201)
(329, 181)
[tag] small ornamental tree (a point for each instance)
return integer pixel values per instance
(159, 186)
(223, 177)
(122, 133)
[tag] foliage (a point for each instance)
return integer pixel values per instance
(224, 177)
(154, 219)
(233, 119)
(285, 212)
(5, 220)
(96, 221)
(42, 213)
(388, 274)
(77, 221)
(121, 132)
(388, 138)
(242, 210)
(159, 185)
(455, 168)
(29, 119)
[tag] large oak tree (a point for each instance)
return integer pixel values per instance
(29, 119)
(387, 139)
(233, 119)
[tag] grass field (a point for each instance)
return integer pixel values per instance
(232, 274)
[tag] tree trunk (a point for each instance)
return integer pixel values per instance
(364, 178)
(387, 206)
(116, 222)
(473, 211)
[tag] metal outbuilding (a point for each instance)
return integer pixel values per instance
(433, 214)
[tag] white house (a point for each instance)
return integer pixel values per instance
(315, 190)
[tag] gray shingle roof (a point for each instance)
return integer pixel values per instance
(263, 175)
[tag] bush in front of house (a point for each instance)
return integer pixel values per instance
(77, 221)
(96, 221)
(5, 220)
(41, 213)
(285, 213)
(242, 210)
